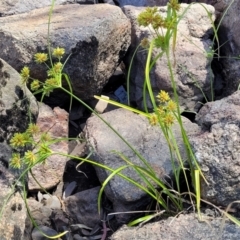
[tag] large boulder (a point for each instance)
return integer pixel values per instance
(217, 149)
(148, 141)
(183, 227)
(22, 6)
(96, 36)
(142, 3)
(17, 107)
(192, 71)
(229, 40)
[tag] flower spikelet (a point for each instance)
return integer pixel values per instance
(18, 140)
(52, 82)
(146, 17)
(35, 85)
(168, 119)
(44, 149)
(163, 96)
(30, 158)
(153, 119)
(45, 137)
(174, 5)
(25, 74)
(58, 52)
(57, 67)
(171, 106)
(40, 57)
(145, 43)
(33, 129)
(15, 161)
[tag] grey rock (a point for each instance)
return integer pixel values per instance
(53, 202)
(192, 70)
(76, 112)
(41, 214)
(15, 101)
(229, 37)
(14, 219)
(82, 207)
(217, 149)
(184, 227)
(225, 110)
(37, 235)
(22, 6)
(77, 148)
(87, 1)
(55, 123)
(69, 189)
(109, 2)
(17, 105)
(142, 3)
(60, 220)
(97, 37)
(148, 141)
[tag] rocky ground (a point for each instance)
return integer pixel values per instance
(100, 38)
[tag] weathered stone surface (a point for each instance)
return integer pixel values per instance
(17, 104)
(37, 235)
(148, 141)
(217, 149)
(14, 218)
(40, 213)
(97, 37)
(229, 37)
(142, 3)
(22, 6)
(192, 70)
(82, 207)
(55, 122)
(219, 5)
(184, 227)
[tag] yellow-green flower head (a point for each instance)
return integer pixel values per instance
(146, 17)
(161, 111)
(40, 57)
(58, 52)
(44, 149)
(52, 82)
(45, 137)
(174, 5)
(30, 158)
(35, 85)
(25, 74)
(171, 106)
(18, 140)
(33, 129)
(145, 43)
(15, 161)
(163, 96)
(168, 119)
(57, 67)
(153, 119)
(159, 42)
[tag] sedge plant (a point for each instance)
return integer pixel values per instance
(166, 112)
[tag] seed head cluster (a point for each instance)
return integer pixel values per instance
(165, 111)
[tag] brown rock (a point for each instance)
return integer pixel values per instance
(55, 122)
(96, 36)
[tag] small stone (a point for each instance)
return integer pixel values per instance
(37, 235)
(69, 189)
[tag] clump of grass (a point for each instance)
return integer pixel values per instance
(166, 112)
